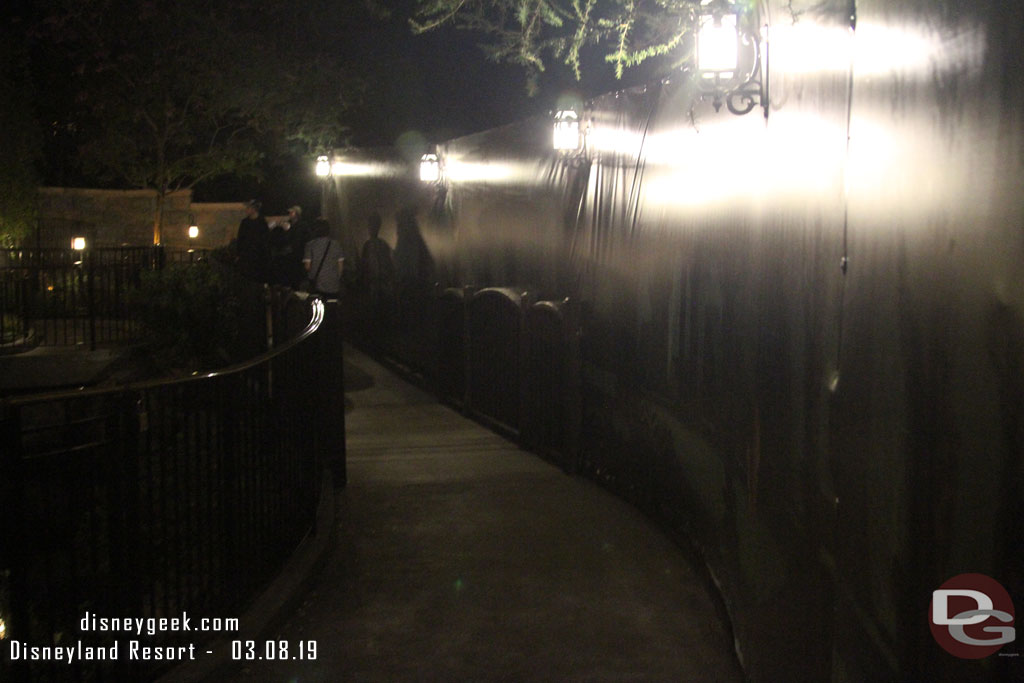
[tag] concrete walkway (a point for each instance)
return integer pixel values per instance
(461, 558)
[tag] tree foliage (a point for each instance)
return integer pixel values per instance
(19, 151)
(198, 316)
(530, 32)
(166, 94)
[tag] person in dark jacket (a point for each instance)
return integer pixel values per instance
(253, 243)
(298, 235)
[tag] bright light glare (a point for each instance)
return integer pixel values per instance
(872, 50)
(808, 48)
(566, 131)
(323, 167)
(430, 168)
(615, 141)
(78, 243)
(193, 232)
(717, 165)
(717, 43)
(478, 172)
(915, 50)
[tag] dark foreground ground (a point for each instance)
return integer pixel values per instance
(459, 557)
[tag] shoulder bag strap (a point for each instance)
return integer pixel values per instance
(327, 248)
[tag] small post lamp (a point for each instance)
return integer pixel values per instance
(729, 57)
(193, 231)
(78, 244)
(566, 134)
(430, 168)
(323, 167)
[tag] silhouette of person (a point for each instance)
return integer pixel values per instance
(280, 253)
(253, 243)
(298, 234)
(377, 273)
(414, 266)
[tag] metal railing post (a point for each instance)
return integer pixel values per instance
(14, 535)
(526, 300)
(467, 349)
(573, 399)
(91, 297)
(129, 423)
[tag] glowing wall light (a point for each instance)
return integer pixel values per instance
(566, 137)
(717, 45)
(78, 243)
(323, 167)
(193, 232)
(430, 168)
(729, 57)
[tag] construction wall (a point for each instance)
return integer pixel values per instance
(803, 334)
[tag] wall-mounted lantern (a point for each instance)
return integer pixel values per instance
(430, 168)
(323, 167)
(566, 133)
(78, 243)
(729, 46)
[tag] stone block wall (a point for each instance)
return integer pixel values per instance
(108, 218)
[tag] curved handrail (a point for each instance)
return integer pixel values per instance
(316, 319)
(556, 307)
(510, 293)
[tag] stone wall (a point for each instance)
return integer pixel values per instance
(108, 218)
(217, 221)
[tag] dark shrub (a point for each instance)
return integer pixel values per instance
(199, 316)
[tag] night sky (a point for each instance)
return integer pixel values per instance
(427, 88)
(441, 84)
(434, 87)
(430, 88)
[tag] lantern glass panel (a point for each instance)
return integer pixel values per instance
(323, 167)
(430, 169)
(566, 131)
(717, 43)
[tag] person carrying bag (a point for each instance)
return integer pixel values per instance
(325, 280)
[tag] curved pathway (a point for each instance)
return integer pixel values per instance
(462, 558)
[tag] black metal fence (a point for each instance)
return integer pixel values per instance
(514, 364)
(62, 297)
(551, 382)
(159, 499)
